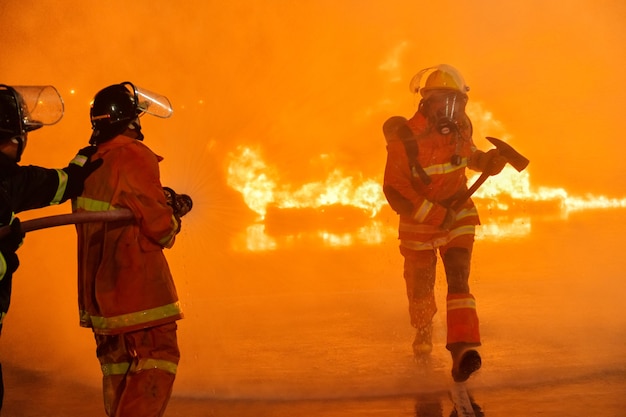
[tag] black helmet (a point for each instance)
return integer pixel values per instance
(27, 108)
(112, 110)
(118, 106)
(10, 119)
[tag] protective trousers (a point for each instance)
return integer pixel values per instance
(419, 276)
(138, 370)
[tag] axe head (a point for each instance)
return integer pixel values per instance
(517, 160)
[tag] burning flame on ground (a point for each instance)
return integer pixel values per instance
(259, 185)
(508, 198)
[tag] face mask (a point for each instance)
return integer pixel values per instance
(444, 110)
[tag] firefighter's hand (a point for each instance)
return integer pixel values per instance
(493, 162)
(449, 220)
(8, 246)
(78, 170)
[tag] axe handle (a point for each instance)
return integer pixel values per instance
(459, 202)
(72, 218)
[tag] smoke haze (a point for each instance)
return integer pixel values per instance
(308, 83)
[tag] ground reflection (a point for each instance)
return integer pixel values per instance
(438, 405)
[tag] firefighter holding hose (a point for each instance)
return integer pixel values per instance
(425, 175)
(126, 292)
(22, 110)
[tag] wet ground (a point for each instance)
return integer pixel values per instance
(552, 322)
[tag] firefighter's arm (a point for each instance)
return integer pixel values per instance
(401, 192)
(143, 194)
(491, 161)
(9, 244)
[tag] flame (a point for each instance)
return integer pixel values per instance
(508, 199)
(260, 187)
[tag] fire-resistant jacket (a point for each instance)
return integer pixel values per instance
(422, 206)
(24, 188)
(124, 281)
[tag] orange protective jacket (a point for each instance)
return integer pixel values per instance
(124, 281)
(422, 207)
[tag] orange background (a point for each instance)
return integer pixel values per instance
(300, 80)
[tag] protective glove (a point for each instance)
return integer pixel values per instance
(78, 170)
(493, 162)
(8, 245)
(181, 204)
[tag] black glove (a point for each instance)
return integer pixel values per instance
(78, 170)
(8, 246)
(181, 204)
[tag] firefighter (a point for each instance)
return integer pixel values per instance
(425, 172)
(22, 110)
(126, 293)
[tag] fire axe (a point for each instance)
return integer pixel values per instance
(514, 158)
(181, 204)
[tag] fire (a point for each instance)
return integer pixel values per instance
(260, 187)
(343, 210)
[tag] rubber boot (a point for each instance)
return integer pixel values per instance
(465, 361)
(463, 336)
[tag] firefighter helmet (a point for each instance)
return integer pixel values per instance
(117, 106)
(27, 108)
(440, 77)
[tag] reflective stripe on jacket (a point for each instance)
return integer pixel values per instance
(426, 203)
(124, 281)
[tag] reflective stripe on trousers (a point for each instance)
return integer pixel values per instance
(138, 370)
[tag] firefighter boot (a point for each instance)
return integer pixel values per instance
(423, 344)
(465, 361)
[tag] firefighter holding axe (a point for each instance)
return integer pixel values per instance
(425, 182)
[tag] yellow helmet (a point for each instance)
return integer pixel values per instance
(440, 77)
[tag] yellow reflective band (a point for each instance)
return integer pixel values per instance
(428, 245)
(469, 229)
(417, 228)
(2, 315)
(461, 303)
(133, 319)
(79, 160)
(423, 211)
(147, 364)
(466, 213)
(3, 266)
(90, 204)
(438, 241)
(109, 369)
(446, 168)
(62, 186)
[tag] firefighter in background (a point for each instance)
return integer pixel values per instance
(126, 293)
(425, 173)
(22, 110)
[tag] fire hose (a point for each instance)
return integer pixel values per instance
(71, 218)
(180, 203)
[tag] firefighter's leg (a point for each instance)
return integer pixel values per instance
(114, 362)
(419, 276)
(152, 371)
(462, 319)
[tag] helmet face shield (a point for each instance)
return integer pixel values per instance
(439, 77)
(153, 103)
(444, 95)
(118, 107)
(446, 108)
(27, 108)
(39, 105)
